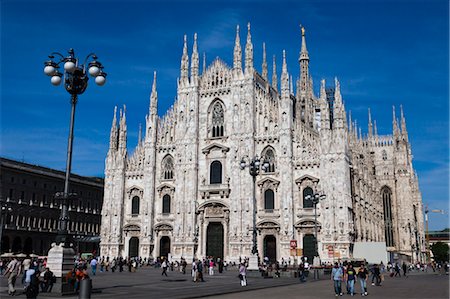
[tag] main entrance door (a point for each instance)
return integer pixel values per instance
(309, 247)
(270, 248)
(134, 247)
(164, 246)
(214, 240)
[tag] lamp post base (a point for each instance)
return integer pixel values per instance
(253, 263)
(60, 261)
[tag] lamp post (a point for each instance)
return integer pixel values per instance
(75, 82)
(427, 236)
(254, 165)
(5, 210)
(76, 76)
(315, 198)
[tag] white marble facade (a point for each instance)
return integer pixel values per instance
(182, 191)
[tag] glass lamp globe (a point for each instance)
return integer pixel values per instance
(100, 80)
(69, 66)
(49, 70)
(94, 71)
(56, 80)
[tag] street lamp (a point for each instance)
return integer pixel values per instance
(315, 198)
(5, 210)
(427, 237)
(75, 82)
(254, 165)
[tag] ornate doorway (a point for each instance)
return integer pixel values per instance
(309, 247)
(214, 240)
(164, 246)
(133, 250)
(270, 248)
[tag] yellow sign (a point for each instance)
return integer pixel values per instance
(299, 251)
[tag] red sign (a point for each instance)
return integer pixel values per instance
(293, 244)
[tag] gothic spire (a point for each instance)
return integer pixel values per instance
(274, 75)
(237, 57)
(395, 129)
(304, 64)
(375, 128)
(140, 134)
(350, 124)
(123, 129)
(113, 135)
(249, 52)
(264, 64)
(291, 85)
(154, 97)
(284, 76)
(403, 124)
(204, 63)
(194, 60)
(370, 128)
(184, 62)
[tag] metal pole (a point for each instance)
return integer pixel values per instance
(64, 213)
(254, 249)
(1, 226)
(427, 235)
(315, 229)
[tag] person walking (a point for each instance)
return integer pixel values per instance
(12, 271)
(404, 268)
(397, 270)
(164, 266)
(350, 278)
(301, 272)
(211, 267)
(200, 271)
(243, 274)
(32, 289)
(337, 275)
(93, 266)
(362, 276)
(194, 270)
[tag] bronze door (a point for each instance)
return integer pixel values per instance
(214, 240)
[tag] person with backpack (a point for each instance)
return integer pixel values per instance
(164, 266)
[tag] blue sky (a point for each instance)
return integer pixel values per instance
(383, 52)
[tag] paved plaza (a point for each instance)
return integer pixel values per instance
(148, 283)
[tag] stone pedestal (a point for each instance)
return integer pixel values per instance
(253, 263)
(61, 260)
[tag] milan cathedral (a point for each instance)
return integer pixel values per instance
(182, 193)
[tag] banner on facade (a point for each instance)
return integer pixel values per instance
(330, 251)
(299, 252)
(293, 244)
(293, 252)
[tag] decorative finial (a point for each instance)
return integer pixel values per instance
(248, 26)
(303, 30)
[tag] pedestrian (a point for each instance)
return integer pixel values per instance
(164, 267)
(243, 275)
(350, 278)
(404, 268)
(183, 266)
(377, 273)
(211, 267)
(94, 266)
(337, 275)
(220, 264)
(12, 271)
(301, 272)
(47, 281)
(200, 271)
(362, 276)
(194, 270)
(397, 270)
(113, 265)
(32, 289)
(121, 264)
(26, 264)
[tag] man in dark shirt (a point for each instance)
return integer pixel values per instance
(362, 275)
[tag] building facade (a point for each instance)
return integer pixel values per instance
(182, 191)
(30, 212)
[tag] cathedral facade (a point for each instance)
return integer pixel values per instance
(182, 192)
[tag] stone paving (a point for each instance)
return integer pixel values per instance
(148, 283)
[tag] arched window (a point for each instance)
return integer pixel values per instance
(135, 205)
(307, 203)
(167, 168)
(166, 204)
(269, 199)
(217, 120)
(384, 155)
(269, 156)
(215, 173)
(386, 195)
